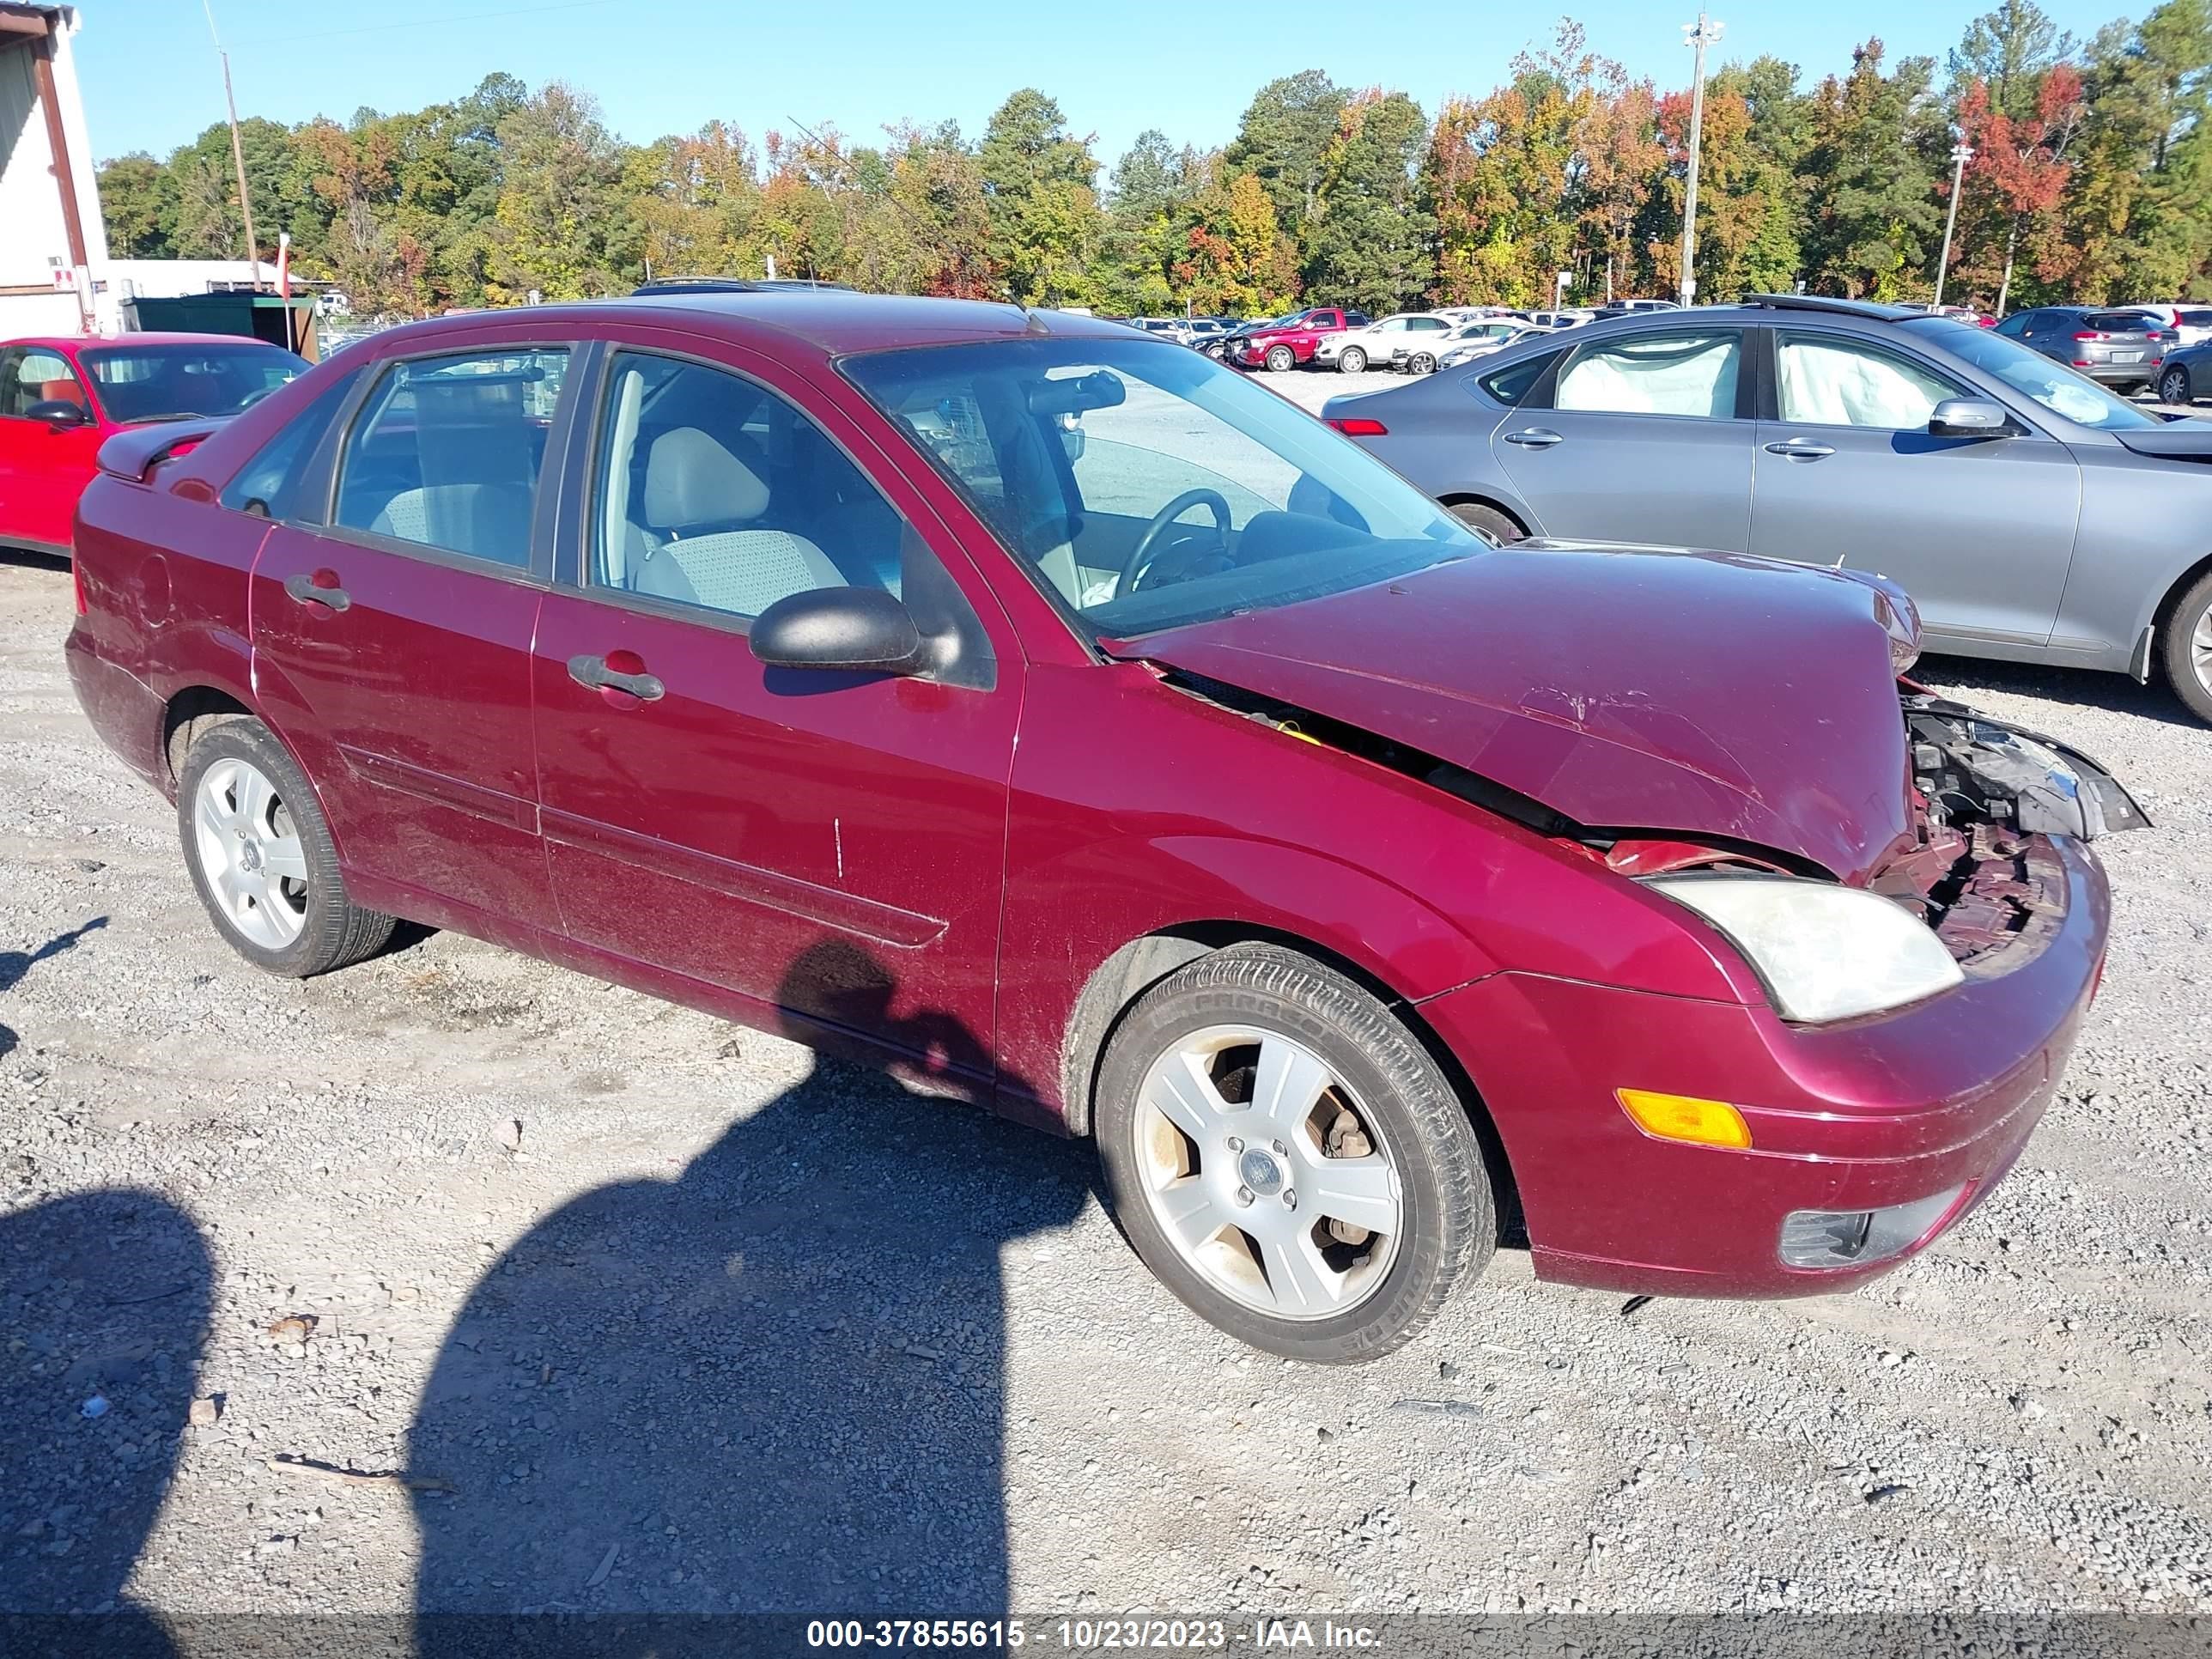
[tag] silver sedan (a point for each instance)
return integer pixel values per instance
(2032, 515)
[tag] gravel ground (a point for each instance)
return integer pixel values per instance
(659, 1314)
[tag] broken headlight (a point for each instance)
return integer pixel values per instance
(1823, 952)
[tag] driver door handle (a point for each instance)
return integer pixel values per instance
(1801, 449)
(1534, 437)
(593, 671)
(305, 590)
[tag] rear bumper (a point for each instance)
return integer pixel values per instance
(1875, 1114)
(123, 710)
(2140, 374)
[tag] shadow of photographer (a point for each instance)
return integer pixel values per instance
(774, 1383)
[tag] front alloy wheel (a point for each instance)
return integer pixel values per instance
(2174, 387)
(1352, 361)
(1287, 1159)
(2187, 649)
(1280, 359)
(1422, 362)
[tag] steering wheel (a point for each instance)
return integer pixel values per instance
(1141, 555)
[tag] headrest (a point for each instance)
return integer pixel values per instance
(61, 391)
(690, 478)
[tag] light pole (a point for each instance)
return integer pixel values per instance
(1960, 154)
(1700, 35)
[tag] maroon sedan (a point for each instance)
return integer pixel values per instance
(1073, 724)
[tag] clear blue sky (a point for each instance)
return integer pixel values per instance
(151, 79)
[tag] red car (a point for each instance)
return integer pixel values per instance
(1290, 341)
(1070, 724)
(62, 397)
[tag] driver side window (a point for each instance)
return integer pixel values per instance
(713, 493)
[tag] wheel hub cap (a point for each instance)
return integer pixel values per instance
(1261, 1173)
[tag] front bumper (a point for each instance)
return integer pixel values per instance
(1880, 1112)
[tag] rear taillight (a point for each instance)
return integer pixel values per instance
(77, 582)
(1358, 427)
(2090, 335)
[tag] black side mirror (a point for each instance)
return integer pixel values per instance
(1969, 417)
(858, 629)
(59, 413)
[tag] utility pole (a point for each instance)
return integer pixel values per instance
(1960, 154)
(1700, 34)
(237, 149)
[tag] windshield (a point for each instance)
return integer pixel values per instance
(2051, 384)
(154, 382)
(1149, 486)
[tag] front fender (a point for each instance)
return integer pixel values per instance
(1068, 914)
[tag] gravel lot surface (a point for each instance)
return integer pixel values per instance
(656, 1313)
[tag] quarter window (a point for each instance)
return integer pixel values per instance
(1691, 375)
(712, 491)
(269, 483)
(447, 451)
(1829, 381)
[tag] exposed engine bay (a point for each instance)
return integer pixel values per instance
(1976, 769)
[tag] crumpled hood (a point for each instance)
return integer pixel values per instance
(1628, 689)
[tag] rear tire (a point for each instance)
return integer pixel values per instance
(262, 859)
(1353, 361)
(2173, 387)
(1487, 521)
(1280, 359)
(2186, 651)
(1262, 1244)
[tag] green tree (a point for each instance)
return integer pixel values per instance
(138, 201)
(1283, 138)
(2008, 52)
(1369, 240)
(1045, 225)
(558, 183)
(1874, 161)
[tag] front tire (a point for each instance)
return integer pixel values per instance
(2187, 650)
(1281, 359)
(2173, 387)
(1288, 1160)
(1352, 361)
(1422, 362)
(262, 858)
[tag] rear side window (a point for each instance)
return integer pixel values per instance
(2193, 318)
(1686, 374)
(1510, 386)
(269, 483)
(448, 450)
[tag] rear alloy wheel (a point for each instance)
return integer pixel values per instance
(1422, 362)
(262, 858)
(2174, 387)
(1280, 358)
(2188, 649)
(1487, 521)
(1287, 1159)
(1353, 361)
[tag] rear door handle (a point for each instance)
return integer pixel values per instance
(1534, 437)
(593, 671)
(305, 590)
(1800, 449)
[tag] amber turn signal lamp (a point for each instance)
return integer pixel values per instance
(1685, 1117)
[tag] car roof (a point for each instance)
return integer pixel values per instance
(831, 321)
(70, 344)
